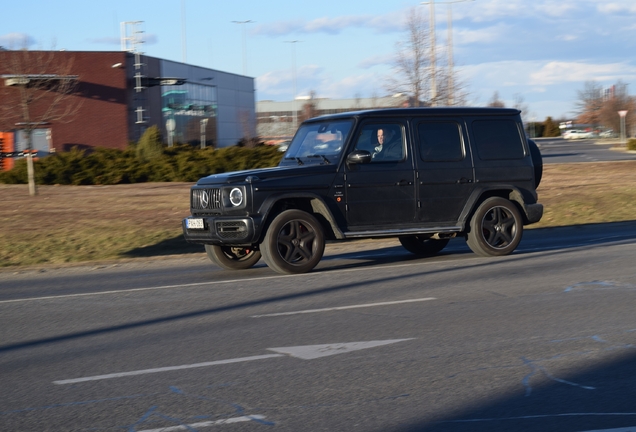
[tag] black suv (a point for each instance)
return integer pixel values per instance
(423, 175)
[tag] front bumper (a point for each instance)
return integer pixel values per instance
(221, 230)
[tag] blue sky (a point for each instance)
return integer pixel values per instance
(542, 51)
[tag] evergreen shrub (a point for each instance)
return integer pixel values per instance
(102, 166)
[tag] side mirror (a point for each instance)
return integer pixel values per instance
(359, 157)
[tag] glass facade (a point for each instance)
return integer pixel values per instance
(191, 110)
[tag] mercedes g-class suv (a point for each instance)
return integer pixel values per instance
(423, 175)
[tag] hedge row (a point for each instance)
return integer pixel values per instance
(182, 163)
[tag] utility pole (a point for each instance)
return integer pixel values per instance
(242, 23)
(451, 84)
(183, 32)
(295, 113)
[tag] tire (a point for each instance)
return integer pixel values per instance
(495, 228)
(233, 258)
(294, 242)
(537, 161)
(422, 245)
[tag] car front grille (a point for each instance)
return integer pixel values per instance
(206, 199)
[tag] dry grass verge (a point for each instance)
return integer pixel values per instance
(87, 223)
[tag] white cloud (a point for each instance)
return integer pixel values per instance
(556, 72)
(555, 8)
(484, 35)
(388, 23)
(377, 60)
(16, 40)
(617, 7)
(280, 83)
(495, 9)
(541, 73)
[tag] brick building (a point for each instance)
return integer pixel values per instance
(117, 95)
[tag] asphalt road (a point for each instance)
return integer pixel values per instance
(558, 150)
(372, 340)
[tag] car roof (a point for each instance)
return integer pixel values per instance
(428, 111)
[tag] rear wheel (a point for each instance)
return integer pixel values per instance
(496, 228)
(293, 243)
(422, 245)
(537, 161)
(233, 258)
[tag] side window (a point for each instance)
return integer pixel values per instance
(440, 141)
(385, 141)
(498, 139)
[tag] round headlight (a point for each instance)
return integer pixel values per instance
(236, 197)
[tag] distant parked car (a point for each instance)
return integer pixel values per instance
(577, 134)
(608, 134)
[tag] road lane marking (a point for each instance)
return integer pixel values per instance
(311, 352)
(165, 369)
(305, 352)
(194, 426)
(155, 288)
(349, 270)
(343, 307)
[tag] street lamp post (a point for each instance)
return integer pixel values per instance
(242, 23)
(183, 31)
(294, 111)
(623, 114)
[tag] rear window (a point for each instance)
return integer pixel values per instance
(498, 139)
(440, 141)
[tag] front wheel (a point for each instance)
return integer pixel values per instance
(233, 258)
(294, 242)
(496, 228)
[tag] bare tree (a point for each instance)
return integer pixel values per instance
(519, 103)
(495, 101)
(590, 103)
(451, 88)
(618, 99)
(599, 106)
(412, 68)
(40, 90)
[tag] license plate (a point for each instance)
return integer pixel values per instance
(194, 223)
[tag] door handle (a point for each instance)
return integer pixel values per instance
(404, 183)
(464, 180)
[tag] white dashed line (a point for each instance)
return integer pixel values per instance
(194, 426)
(344, 307)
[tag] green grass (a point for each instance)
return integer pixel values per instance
(72, 224)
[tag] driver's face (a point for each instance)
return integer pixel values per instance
(380, 136)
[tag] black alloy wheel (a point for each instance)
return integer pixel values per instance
(294, 242)
(232, 257)
(496, 228)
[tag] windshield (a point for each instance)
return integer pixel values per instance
(321, 141)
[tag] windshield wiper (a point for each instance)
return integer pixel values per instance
(297, 159)
(324, 158)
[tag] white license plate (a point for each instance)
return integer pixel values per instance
(194, 223)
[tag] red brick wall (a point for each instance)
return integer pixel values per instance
(102, 117)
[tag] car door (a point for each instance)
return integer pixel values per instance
(380, 194)
(445, 176)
